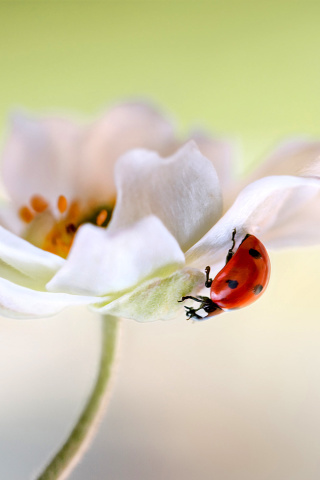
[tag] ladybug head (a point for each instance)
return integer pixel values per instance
(212, 309)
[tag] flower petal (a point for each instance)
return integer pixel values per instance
(182, 190)
(20, 302)
(126, 126)
(301, 229)
(39, 158)
(9, 218)
(265, 207)
(103, 262)
(156, 299)
(15, 276)
(221, 153)
(26, 258)
(292, 157)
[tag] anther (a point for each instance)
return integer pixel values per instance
(62, 204)
(74, 211)
(38, 203)
(101, 218)
(26, 214)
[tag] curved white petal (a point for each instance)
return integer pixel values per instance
(182, 190)
(103, 262)
(302, 228)
(39, 158)
(292, 157)
(9, 218)
(124, 127)
(16, 276)
(268, 206)
(26, 258)
(157, 299)
(20, 302)
(221, 152)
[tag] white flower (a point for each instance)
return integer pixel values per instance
(168, 219)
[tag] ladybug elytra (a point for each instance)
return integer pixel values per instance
(239, 283)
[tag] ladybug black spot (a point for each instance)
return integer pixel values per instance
(254, 253)
(232, 283)
(257, 289)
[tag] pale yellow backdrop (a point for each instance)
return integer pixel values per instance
(234, 398)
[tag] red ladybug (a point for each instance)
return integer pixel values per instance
(240, 282)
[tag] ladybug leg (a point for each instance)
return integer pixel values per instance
(208, 281)
(206, 304)
(191, 313)
(196, 299)
(231, 252)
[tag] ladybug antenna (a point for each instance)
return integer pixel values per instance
(231, 252)
(208, 281)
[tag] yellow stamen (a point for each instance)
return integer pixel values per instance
(58, 240)
(74, 211)
(56, 233)
(62, 204)
(101, 218)
(26, 214)
(38, 203)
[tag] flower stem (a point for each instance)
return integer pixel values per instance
(80, 438)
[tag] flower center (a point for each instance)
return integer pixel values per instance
(55, 234)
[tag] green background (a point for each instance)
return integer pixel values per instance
(243, 68)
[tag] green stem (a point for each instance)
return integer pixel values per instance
(79, 440)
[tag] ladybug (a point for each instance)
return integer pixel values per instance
(241, 281)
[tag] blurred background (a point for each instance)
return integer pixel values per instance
(234, 398)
